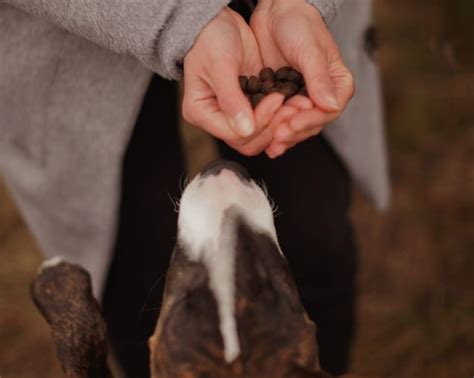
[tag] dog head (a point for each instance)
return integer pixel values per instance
(230, 306)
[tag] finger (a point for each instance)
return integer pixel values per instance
(267, 109)
(208, 116)
(256, 145)
(275, 150)
(281, 149)
(343, 83)
(264, 112)
(200, 107)
(231, 99)
(283, 133)
(315, 70)
(283, 114)
(308, 119)
(306, 135)
(278, 148)
(300, 102)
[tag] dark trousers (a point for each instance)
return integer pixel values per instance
(312, 190)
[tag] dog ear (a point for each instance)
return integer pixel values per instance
(63, 294)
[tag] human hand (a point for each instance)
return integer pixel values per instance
(213, 100)
(293, 33)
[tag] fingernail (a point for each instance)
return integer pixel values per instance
(331, 101)
(243, 124)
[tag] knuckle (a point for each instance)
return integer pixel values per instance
(295, 126)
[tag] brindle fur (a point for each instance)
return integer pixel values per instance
(276, 337)
(63, 295)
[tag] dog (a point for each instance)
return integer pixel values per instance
(230, 306)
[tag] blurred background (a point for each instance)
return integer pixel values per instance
(416, 280)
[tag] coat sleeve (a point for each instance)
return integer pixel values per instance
(327, 8)
(157, 32)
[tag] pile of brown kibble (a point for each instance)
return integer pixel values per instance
(286, 81)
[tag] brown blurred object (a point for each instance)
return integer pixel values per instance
(26, 348)
(416, 305)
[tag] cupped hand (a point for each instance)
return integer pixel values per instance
(213, 100)
(293, 33)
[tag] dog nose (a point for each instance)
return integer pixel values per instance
(215, 167)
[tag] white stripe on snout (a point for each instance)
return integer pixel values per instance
(221, 268)
(53, 261)
(209, 238)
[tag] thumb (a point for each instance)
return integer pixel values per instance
(315, 70)
(232, 101)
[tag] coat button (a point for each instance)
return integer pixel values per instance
(371, 42)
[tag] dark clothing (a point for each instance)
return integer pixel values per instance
(152, 169)
(312, 190)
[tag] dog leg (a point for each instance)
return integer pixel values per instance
(63, 294)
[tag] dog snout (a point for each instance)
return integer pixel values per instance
(214, 168)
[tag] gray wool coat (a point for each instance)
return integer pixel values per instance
(73, 75)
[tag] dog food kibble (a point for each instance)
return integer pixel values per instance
(267, 74)
(277, 85)
(295, 77)
(282, 73)
(254, 84)
(243, 81)
(267, 86)
(289, 89)
(285, 80)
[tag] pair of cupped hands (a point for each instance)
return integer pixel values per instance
(280, 33)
